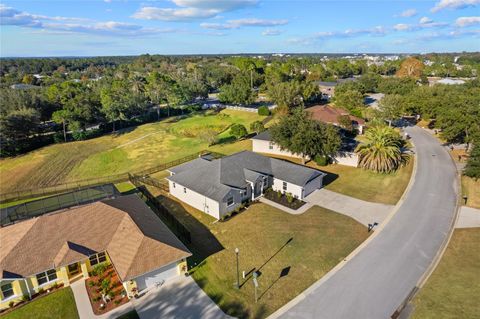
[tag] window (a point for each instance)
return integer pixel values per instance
(284, 186)
(7, 290)
(230, 201)
(97, 258)
(244, 193)
(185, 190)
(270, 145)
(47, 276)
(173, 185)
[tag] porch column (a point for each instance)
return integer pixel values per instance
(28, 288)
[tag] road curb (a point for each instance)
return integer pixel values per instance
(356, 251)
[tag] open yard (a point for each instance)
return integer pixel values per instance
(291, 252)
(471, 188)
(453, 289)
(131, 149)
(57, 305)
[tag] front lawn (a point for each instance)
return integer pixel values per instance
(453, 289)
(471, 188)
(290, 251)
(57, 305)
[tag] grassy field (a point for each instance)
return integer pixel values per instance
(131, 149)
(290, 251)
(453, 289)
(471, 188)
(57, 305)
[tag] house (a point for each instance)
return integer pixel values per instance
(217, 187)
(262, 143)
(63, 246)
(331, 115)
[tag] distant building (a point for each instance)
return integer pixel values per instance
(330, 115)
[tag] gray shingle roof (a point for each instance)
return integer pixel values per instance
(216, 178)
(264, 136)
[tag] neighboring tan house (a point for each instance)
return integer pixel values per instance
(62, 247)
(219, 186)
(329, 114)
(262, 143)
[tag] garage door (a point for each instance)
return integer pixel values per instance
(312, 185)
(150, 279)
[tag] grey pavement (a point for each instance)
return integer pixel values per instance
(179, 298)
(379, 277)
(362, 211)
(468, 217)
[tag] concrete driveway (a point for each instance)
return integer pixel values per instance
(180, 298)
(380, 276)
(362, 211)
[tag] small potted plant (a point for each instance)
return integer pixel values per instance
(135, 292)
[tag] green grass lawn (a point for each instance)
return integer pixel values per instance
(471, 188)
(128, 150)
(454, 287)
(305, 247)
(57, 305)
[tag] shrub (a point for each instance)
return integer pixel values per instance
(41, 291)
(11, 304)
(289, 197)
(99, 269)
(238, 130)
(25, 298)
(321, 160)
(111, 294)
(97, 298)
(105, 285)
(117, 301)
(263, 110)
(58, 137)
(55, 285)
(257, 127)
(91, 283)
(279, 194)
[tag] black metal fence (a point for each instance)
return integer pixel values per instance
(163, 213)
(111, 179)
(42, 206)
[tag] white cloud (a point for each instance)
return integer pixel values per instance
(424, 20)
(408, 13)
(11, 16)
(271, 32)
(192, 9)
(402, 27)
(454, 4)
(251, 22)
(467, 21)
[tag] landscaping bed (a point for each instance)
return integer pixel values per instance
(286, 200)
(105, 289)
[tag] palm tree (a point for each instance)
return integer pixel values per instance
(137, 83)
(382, 152)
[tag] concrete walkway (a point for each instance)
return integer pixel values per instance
(179, 298)
(468, 217)
(362, 211)
(84, 306)
(299, 211)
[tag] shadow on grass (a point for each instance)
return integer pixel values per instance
(285, 271)
(204, 243)
(257, 270)
(330, 178)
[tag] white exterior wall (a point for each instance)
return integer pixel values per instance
(291, 188)
(261, 146)
(149, 280)
(347, 159)
(195, 199)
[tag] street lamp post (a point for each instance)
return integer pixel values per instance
(238, 274)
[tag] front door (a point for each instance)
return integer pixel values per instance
(257, 191)
(73, 269)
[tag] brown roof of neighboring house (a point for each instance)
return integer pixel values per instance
(135, 239)
(330, 114)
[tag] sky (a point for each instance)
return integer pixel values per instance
(126, 27)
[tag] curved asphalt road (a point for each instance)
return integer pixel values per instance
(380, 277)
